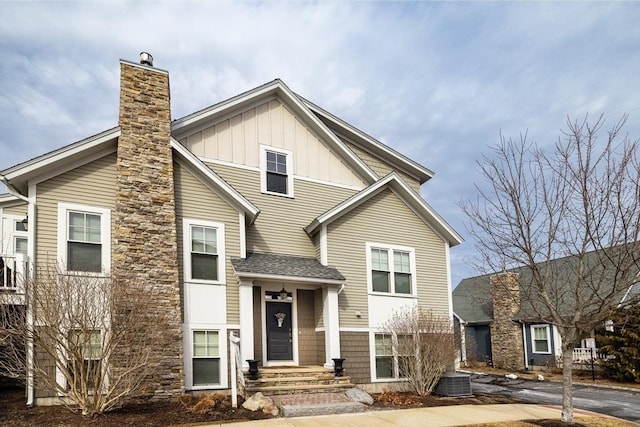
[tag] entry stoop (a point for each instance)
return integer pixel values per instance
(301, 405)
(273, 381)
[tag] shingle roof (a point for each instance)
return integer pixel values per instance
(285, 265)
(473, 301)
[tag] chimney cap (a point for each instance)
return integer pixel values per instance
(146, 59)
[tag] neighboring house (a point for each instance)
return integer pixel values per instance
(259, 213)
(496, 323)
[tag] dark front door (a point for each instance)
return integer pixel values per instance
(483, 343)
(279, 338)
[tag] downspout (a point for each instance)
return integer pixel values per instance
(524, 345)
(31, 210)
(341, 288)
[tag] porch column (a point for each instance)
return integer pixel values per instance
(331, 318)
(246, 321)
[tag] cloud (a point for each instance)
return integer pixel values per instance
(436, 81)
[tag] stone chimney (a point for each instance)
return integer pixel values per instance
(145, 251)
(506, 335)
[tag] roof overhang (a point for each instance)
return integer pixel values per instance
(406, 194)
(59, 161)
(283, 278)
(368, 143)
(214, 182)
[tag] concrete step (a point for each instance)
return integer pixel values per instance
(331, 378)
(316, 404)
(271, 390)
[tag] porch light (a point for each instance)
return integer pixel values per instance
(25, 223)
(283, 293)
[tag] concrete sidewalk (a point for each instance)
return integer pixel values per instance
(436, 416)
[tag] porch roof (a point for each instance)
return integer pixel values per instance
(285, 267)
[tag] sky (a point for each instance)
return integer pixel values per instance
(437, 81)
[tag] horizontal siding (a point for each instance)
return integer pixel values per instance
(382, 168)
(20, 210)
(197, 201)
(279, 227)
(93, 184)
(237, 140)
(385, 219)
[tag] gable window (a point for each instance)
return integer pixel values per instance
(391, 269)
(84, 238)
(85, 359)
(204, 251)
(276, 171)
(540, 339)
(206, 358)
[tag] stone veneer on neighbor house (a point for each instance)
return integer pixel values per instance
(506, 334)
(145, 243)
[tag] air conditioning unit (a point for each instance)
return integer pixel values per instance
(454, 384)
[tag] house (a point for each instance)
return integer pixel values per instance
(263, 214)
(499, 320)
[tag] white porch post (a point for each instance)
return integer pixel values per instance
(331, 324)
(246, 321)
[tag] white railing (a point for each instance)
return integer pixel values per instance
(237, 377)
(582, 355)
(12, 273)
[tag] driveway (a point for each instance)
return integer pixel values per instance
(617, 403)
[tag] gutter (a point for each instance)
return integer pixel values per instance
(29, 288)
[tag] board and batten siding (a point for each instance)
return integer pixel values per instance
(385, 219)
(237, 140)
(279, 227)
(196, 201)
(93, 184)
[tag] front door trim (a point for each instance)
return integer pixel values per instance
(294, 324)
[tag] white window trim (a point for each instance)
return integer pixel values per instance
(105, 236)
(222, 349)
(372, 357)
(390, 249)
(263, 170)
(533, 343)
(187, 223)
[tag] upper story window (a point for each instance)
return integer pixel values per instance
(204, 251)
(276, 171)
(540, 339)
(84, 238)
(391, 269)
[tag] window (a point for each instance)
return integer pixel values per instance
(84, 240)
(206, 358)
(276, 171)
(379, 270)
(393, 353)
(540, 339)
(395, 277)
(204, 253)
(384, 356)
(203, 245)
(21, 245)
(84, 248)
(85, 359)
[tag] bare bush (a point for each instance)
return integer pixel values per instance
(424, 346)
(89, 336)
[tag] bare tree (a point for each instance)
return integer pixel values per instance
(91, 345)
(423, 345)
(580, 203)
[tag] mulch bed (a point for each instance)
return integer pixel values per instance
(192, 411)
